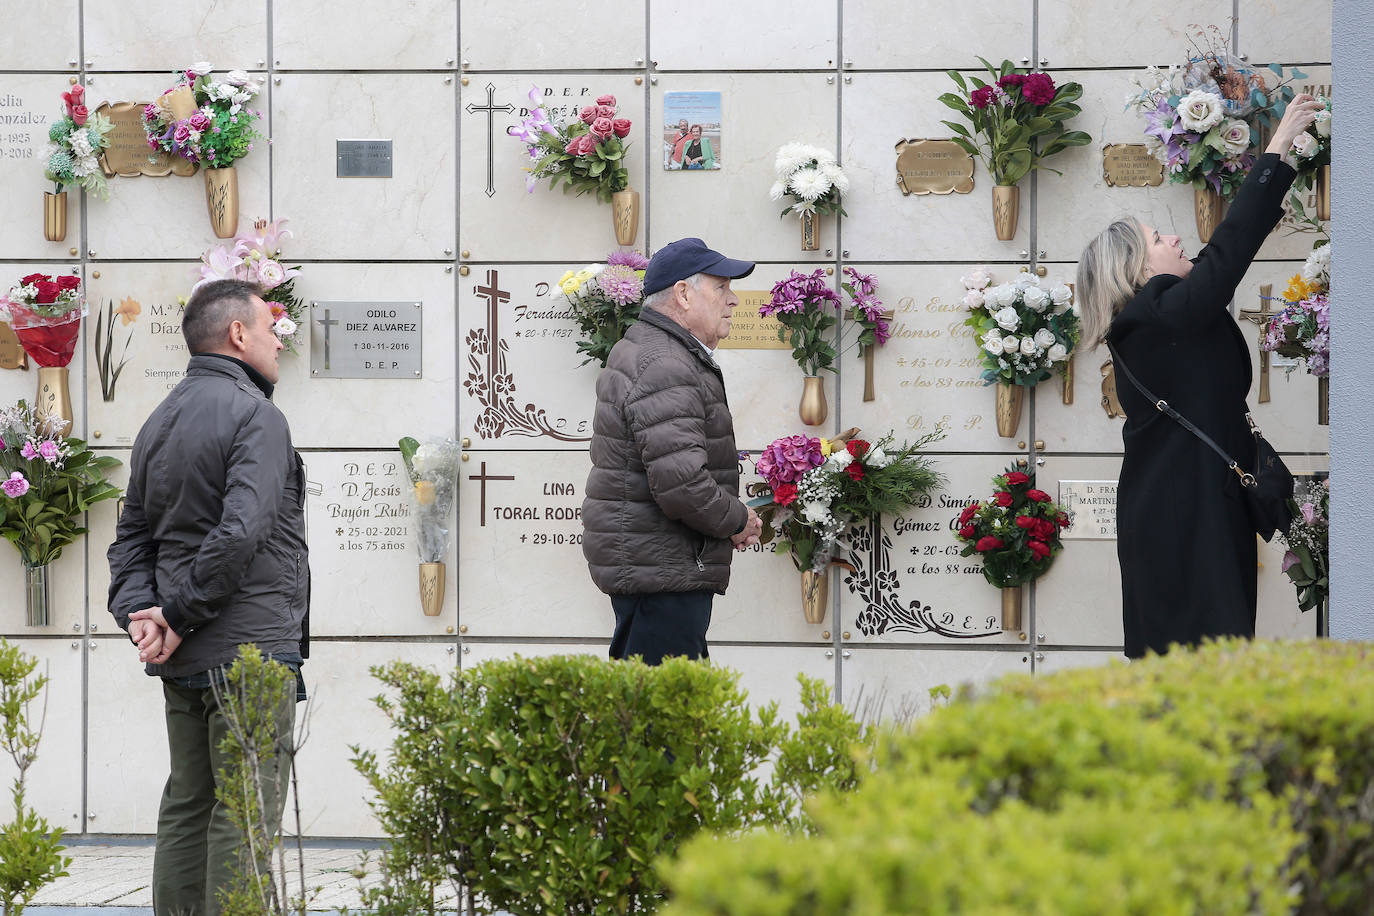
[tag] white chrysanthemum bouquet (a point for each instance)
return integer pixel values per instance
(811, 177)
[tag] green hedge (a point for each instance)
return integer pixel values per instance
(1235, 779)
(550, 785)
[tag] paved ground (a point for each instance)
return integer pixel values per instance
(114, 878)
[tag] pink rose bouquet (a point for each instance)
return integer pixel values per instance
(77, 140)
(584, 153)
(255, 256)
(203, 120)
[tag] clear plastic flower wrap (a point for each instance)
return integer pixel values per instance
(432, 466)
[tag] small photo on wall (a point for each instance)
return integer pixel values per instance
(691, 131)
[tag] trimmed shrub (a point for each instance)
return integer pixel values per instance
(550, 785)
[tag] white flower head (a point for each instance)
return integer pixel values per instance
(284, 327)
(817, 513)
(1200, 111)
(1061, 295)
(1007, 318)
(835, 175)
(1306, 145)
(1006, 294)
(777, 191)
(201, 68)
(877, 458)
(1235, 135)
(1057, 353)
(840, 459)
(791, 157)
(236, 78)
(1322, 124)
(978, 278)
(809, 184)
(993, 344)
(1036, 299)
(1044, 338)
(1011, 345)
(1028, 347)
(972, 299)
(1317, 268)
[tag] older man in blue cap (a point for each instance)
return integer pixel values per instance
(662, 509)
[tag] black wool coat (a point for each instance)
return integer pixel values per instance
(1188, 556)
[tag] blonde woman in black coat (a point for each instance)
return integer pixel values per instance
(1187, 550)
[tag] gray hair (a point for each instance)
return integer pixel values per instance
(1113, 268)
(212, 308)
(663, 301)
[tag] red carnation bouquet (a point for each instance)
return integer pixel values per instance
(1016, 532)
(46, 314)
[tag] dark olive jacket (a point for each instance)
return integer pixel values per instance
(662, 499)
(213, 524)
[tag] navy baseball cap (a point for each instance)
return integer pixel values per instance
(685, 257)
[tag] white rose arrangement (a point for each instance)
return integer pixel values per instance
(1025, 332)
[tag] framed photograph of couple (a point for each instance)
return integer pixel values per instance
(691, 131)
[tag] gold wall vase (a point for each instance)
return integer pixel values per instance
(1068, 380)
(813, 409)
(1009, 400)
(815, 586)
(1011, 609)
(810, 230)
(54, 394)
(1208, 208)
(432, 588)
(222, 200)
(1323, 400)
(55, 216)
(36, 596)
(1323, 189)
(1006, 201)
(625, 215)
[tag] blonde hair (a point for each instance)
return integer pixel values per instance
(1112, 269)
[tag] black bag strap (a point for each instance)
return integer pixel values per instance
(1246, 479)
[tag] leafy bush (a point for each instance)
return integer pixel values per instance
(550, 785)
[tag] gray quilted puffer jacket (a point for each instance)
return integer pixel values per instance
(662, 499)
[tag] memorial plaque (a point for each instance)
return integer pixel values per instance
(363, 158)
(12, 355)
(1093, 506)
(365, 339)
(933, 167)
(1130, 165)
(128, 155)
(748, 329)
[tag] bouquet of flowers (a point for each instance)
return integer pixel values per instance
(1301, 330)
(1024, 332)
(433, 471)
(46, 314)
(814, 490)
(605, 299)
(1306, 562)
(49, 481)
(255, 256)
(866, 309)
(1009, 115)
(584, 153)
(1312, 148)
(77, 139)
(807, 308)
(811, 177)
(203, 120)
(1016, 532)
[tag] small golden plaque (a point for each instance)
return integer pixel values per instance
(748, 329)
(12, 355)
(128, 155)
(933, 167)
(1130, 165)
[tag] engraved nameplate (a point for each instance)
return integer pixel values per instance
(128, 155)
(1130, 165)
(1093, 504)
(748, 329)
(362, 158)
(365, 339)
(933, 167)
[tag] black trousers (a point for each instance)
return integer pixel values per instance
(657, 626)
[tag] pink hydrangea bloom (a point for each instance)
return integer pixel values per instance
(785, 460)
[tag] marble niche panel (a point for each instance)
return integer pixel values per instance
(407, 216)
(880, 110)
(167, 34)
(101, 521)
(759, 113)
(503, 221)
(801, 35)
(42, 37)
(522, 510)
(1072, 33)
(1082, 426)
(127, 758)
(53, 784)
(929, 373)
(893, 685)
(1292, 238)
(910, 585)
(1272, 30)
(339, 714)
(29, 104)
(166, 217)
(892, 35)
(572, 34)
(370, 413)
(1047, 663)
(310, 35)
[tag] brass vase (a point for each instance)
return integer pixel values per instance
(625, 214)
(1208, 208)
(1323, 189)
(1324, 400)
(55, 216)
(432, 588)
(54, 393)
(815, 587)
(36, 596)
(222, 200)
(1006, 200)
(1011, 609)
(813, 409)
(810, 230)
(1068, 380)
(1009, 400)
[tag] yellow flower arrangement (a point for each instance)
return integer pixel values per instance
(1300, 289)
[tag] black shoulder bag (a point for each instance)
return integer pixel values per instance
(1265, 492)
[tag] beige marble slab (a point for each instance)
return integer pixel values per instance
(41, 37)
(1272, 30)
(412, 35)
(501, 35)
(1117, 33)
(167, 34)
(32, 103)
(894, 685)
(801, 35)
(53, 785)
(1049, 663)
(892, 35)
(127, 736)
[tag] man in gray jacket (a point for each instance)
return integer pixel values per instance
(662, 508)
(210, 555)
